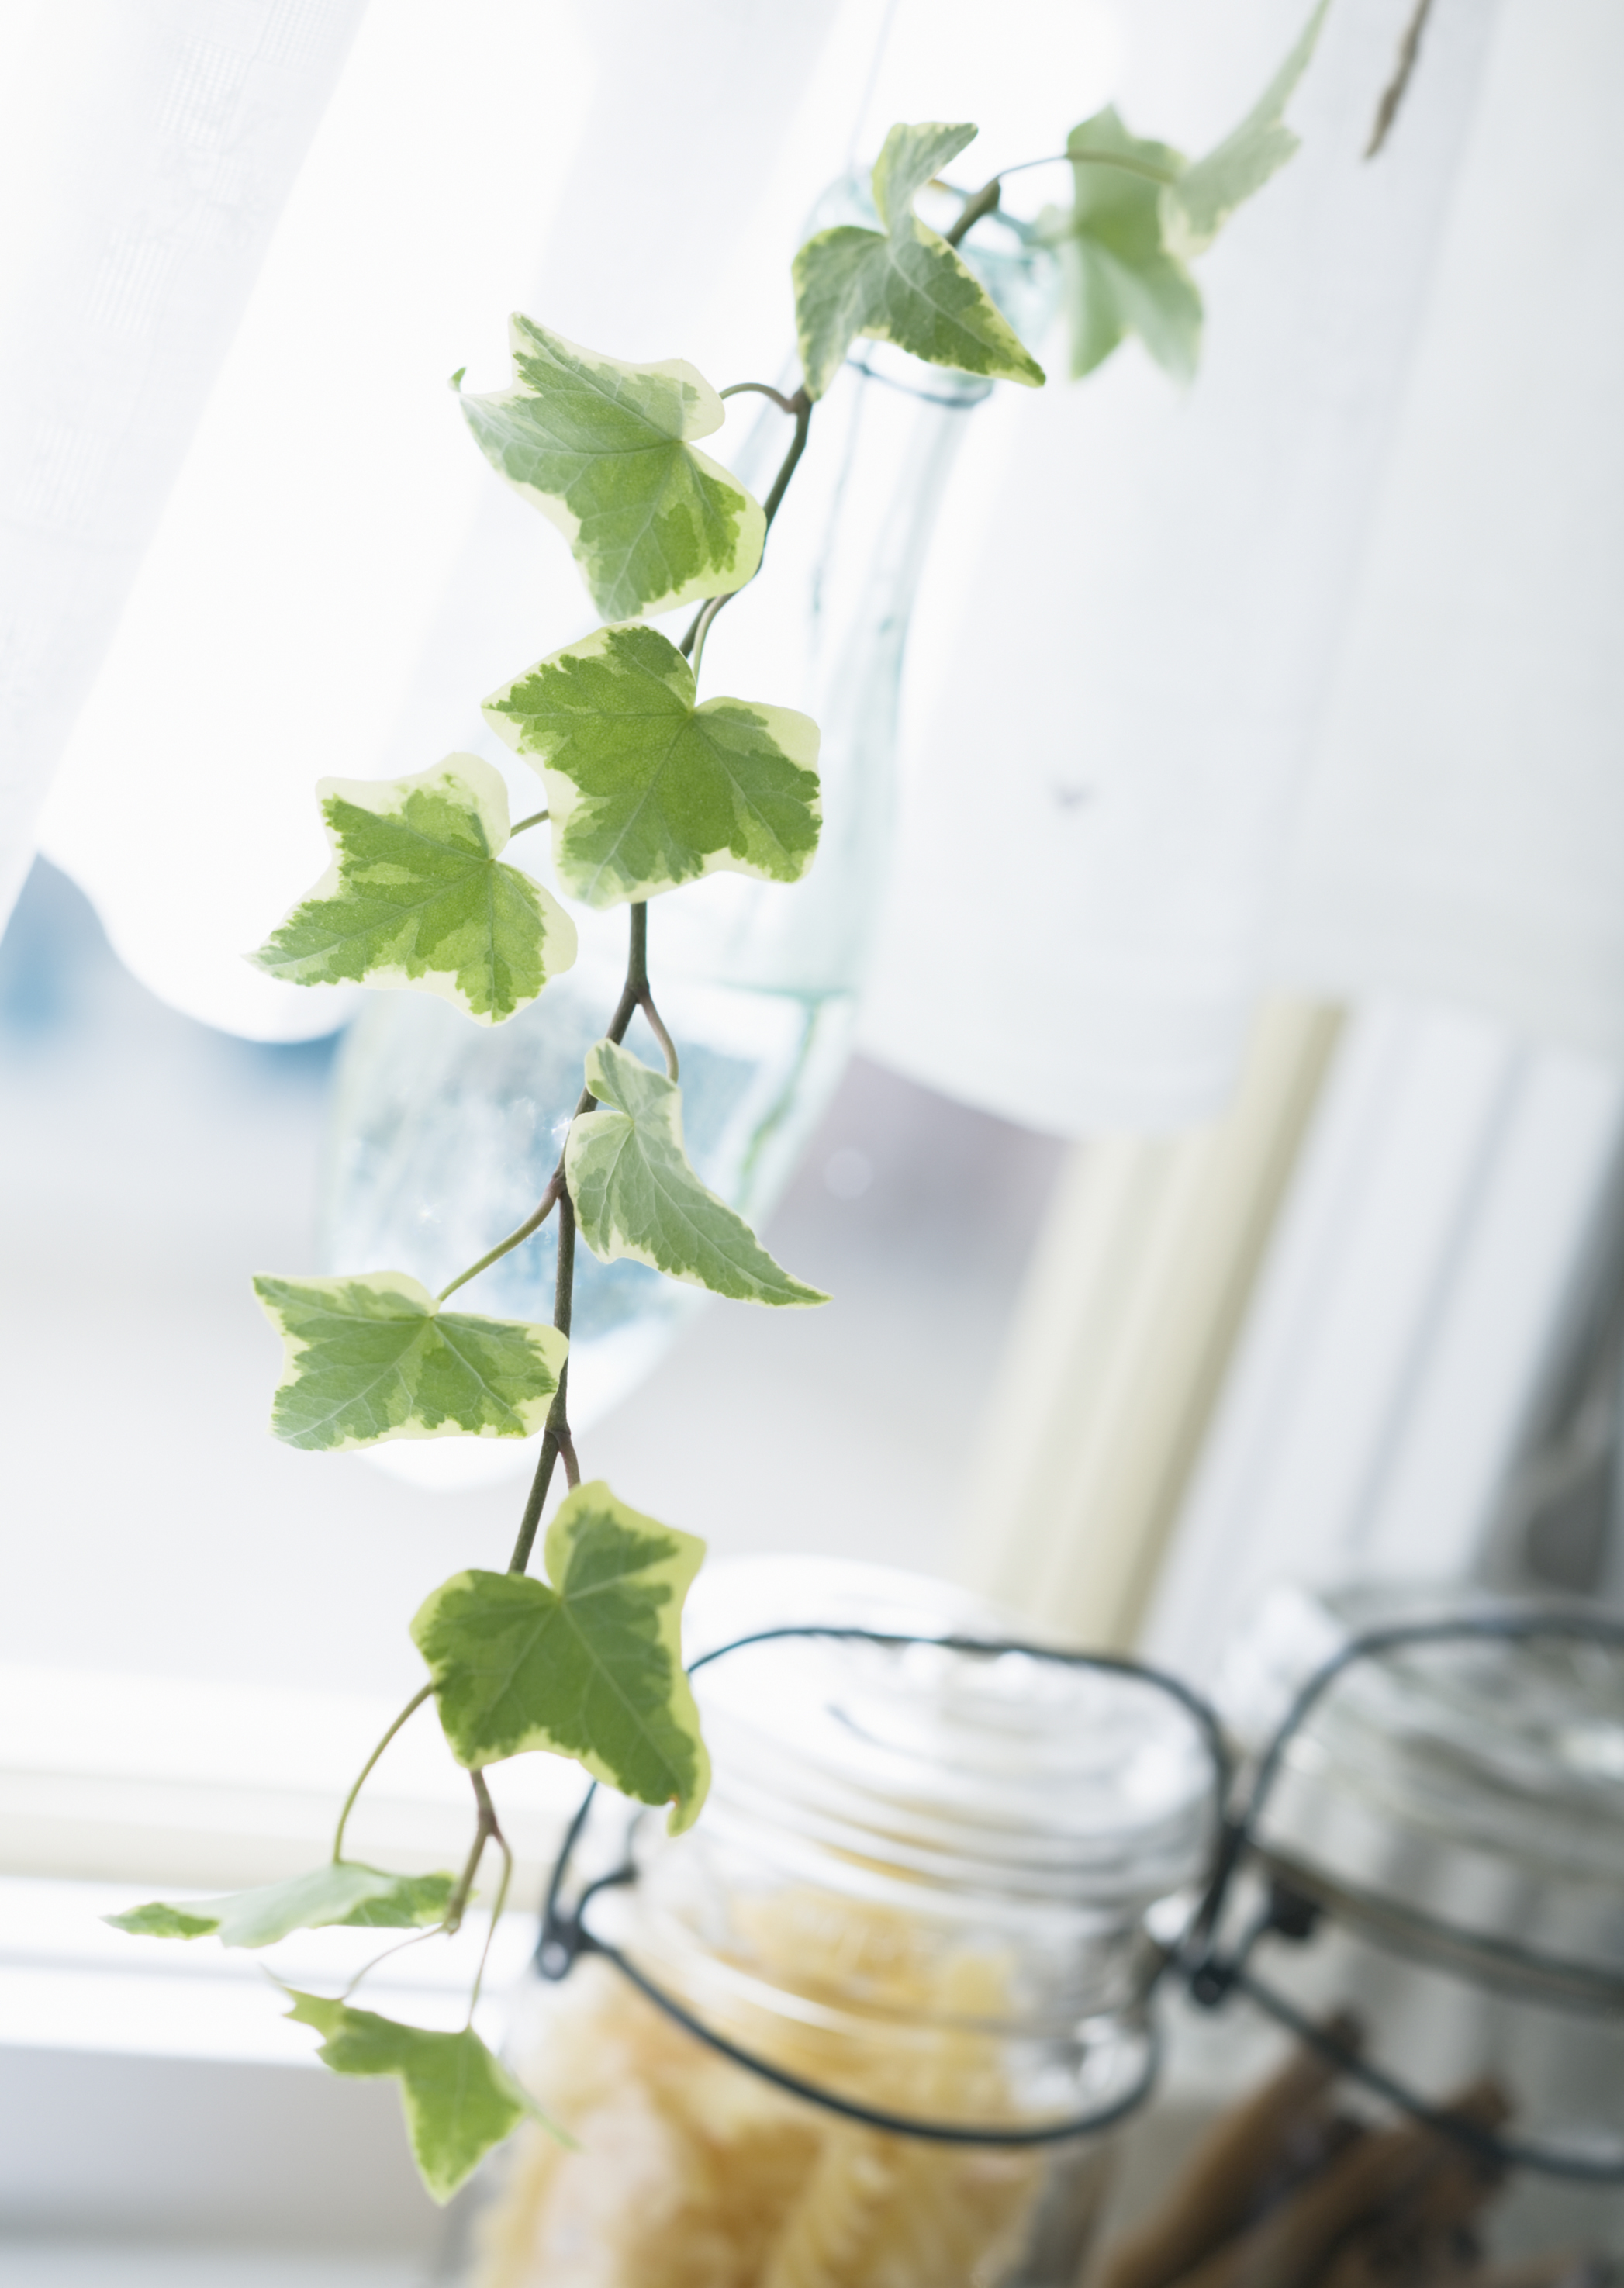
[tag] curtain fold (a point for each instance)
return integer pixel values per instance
(144, 155)
(1462, 831)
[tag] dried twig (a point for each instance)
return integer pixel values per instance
(1393, 94)
(1365, 2184)
(1229, 2176)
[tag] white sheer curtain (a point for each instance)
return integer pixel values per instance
(1311, 681)
(145, 153)
(336, 580)
(1302, 675)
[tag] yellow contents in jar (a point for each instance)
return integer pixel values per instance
(690, 2172)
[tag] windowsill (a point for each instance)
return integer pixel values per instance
(114, 1790)
(170, 1782)
(69, 1982)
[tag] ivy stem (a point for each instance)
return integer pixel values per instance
(800, 406)
(410, 1709)
(982, 202)
(634, 994)
(485, 1827)
(636, 966)
(762, 389)
(536, 819)
(556, 1440)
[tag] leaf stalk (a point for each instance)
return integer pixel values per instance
(762, 389)
(984, 202)
(410, 1709)
(556, 1440)
(800, 407)
(497, 1904)
(530, 1226)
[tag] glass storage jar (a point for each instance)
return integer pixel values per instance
(1429, 1861)
(921, 1900)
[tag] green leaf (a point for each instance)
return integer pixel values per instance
(374, 1357)
(645, 789)
(158, 1920)
(415, 895)
(1118, 277)
(341, 1893)
(903, 284)
(602, 448)
(459, 2101)
(636, 1193)
(415, 1900)
(1195, 208)
(909, 157)
(590, 1667)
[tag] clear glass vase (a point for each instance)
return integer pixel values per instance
(445, 1133)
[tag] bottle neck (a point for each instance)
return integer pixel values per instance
(825, 629)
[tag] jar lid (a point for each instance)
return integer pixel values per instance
(1003, 1775)
(1475, 1782)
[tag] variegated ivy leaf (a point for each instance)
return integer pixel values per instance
(459, 2101)
(1118, 277)
(588, 1667)
(374, 1356)
(647, 789)
(341, 1893)
(415, 895)
(602, 448)
(903, 284)
(636, 1193)
(1195, 208)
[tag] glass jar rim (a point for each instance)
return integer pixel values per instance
(1488, 1727)
(921, 1738)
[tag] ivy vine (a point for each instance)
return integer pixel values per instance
(647, 787)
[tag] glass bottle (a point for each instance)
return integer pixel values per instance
(1436, 1862)
(921, 1886)
(444, 1133)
